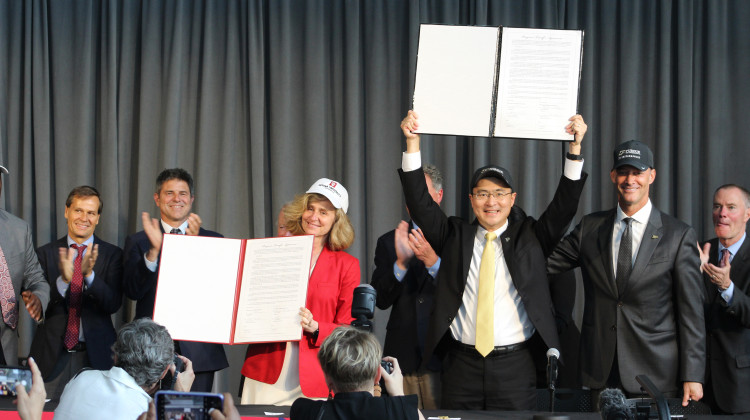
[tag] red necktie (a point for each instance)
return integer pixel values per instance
(7, 294)
(75, 295)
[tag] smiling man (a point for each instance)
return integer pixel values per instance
(492, 294)
(85, 277)
(726, 275)
(643, 307)
(174, 197)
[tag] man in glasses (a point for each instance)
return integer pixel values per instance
(492, 292)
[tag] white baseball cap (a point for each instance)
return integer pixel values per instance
(3, 169)
(333, 191)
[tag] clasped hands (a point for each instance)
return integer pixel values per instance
(718, 275)
(412, 244)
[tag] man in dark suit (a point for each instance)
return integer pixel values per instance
(174, 196)
(78, 330)
(405, 270)
(19, 271)
(492, 292)
(726, 275)
(643, 293)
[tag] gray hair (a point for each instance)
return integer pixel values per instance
(143, 349)
(745, 193)
(350, 359)
(435, 176)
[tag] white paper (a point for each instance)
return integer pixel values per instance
(274, 287)
(455, 77)
(196, 287)
(538, 83)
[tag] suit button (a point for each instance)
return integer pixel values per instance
(619, 304)
(613, 328)
(420, 300)
(732, 313)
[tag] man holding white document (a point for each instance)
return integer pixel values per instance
(492, 291)
(174, 197)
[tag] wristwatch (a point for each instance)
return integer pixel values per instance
(573, 157)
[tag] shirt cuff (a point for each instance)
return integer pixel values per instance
(728, 293)
(150, 265)
(398, 272)
(411, 161)
(62, 287)
(89, 279)
(433, 271)
(573, 169)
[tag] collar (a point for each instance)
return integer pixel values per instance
(735, 247)
(168, 228)
(641, 216)
(88, 242)
(481, 231)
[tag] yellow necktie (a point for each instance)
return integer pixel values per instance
(486, 298)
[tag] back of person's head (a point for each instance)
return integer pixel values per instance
(350, 359)
(144, 349)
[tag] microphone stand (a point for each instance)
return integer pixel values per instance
(551, 379)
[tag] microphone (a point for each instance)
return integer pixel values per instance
(613, 406)
(553, 355)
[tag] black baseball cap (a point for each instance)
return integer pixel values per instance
(492, 171)
(633, 153)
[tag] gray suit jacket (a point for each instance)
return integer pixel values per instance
(728, 328)
(25, 273)
(656, 326)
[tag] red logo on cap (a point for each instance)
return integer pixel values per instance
(333, 184)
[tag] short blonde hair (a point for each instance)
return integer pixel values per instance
(350, 359)
(341, 235)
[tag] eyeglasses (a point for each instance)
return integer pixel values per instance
(484, 195)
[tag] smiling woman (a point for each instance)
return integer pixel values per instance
(279, 373)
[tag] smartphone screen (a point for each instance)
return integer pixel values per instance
(173, 405)
(10, 376)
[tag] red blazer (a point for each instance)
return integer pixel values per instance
(329, 298)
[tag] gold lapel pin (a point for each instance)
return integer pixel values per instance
(654, 236)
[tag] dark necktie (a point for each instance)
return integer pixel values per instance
(7, 294)
(722, 255)
(624, 257)
(75, 295)
(176, 231)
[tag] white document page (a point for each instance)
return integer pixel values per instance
(196, 287)
(274, 287)
(538, 83)
(455, 78)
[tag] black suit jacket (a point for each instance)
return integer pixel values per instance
(100, 301)
(728, 330)
(139, 284)
(410, 301)
(656, 326)
(526, 244)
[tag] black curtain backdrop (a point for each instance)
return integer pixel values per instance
(259, 98)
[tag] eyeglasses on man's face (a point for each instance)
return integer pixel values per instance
(483, 195)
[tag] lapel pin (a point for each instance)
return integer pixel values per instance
(507, 239)
(654, 236)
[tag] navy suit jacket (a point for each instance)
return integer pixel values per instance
(526, 244)
(411, 302)
(99, 302)
(139, 284)
(728, 330)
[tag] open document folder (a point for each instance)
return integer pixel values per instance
(497, 81)
(232, 291)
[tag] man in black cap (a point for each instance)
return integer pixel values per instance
(492, 292)
(643, 309)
